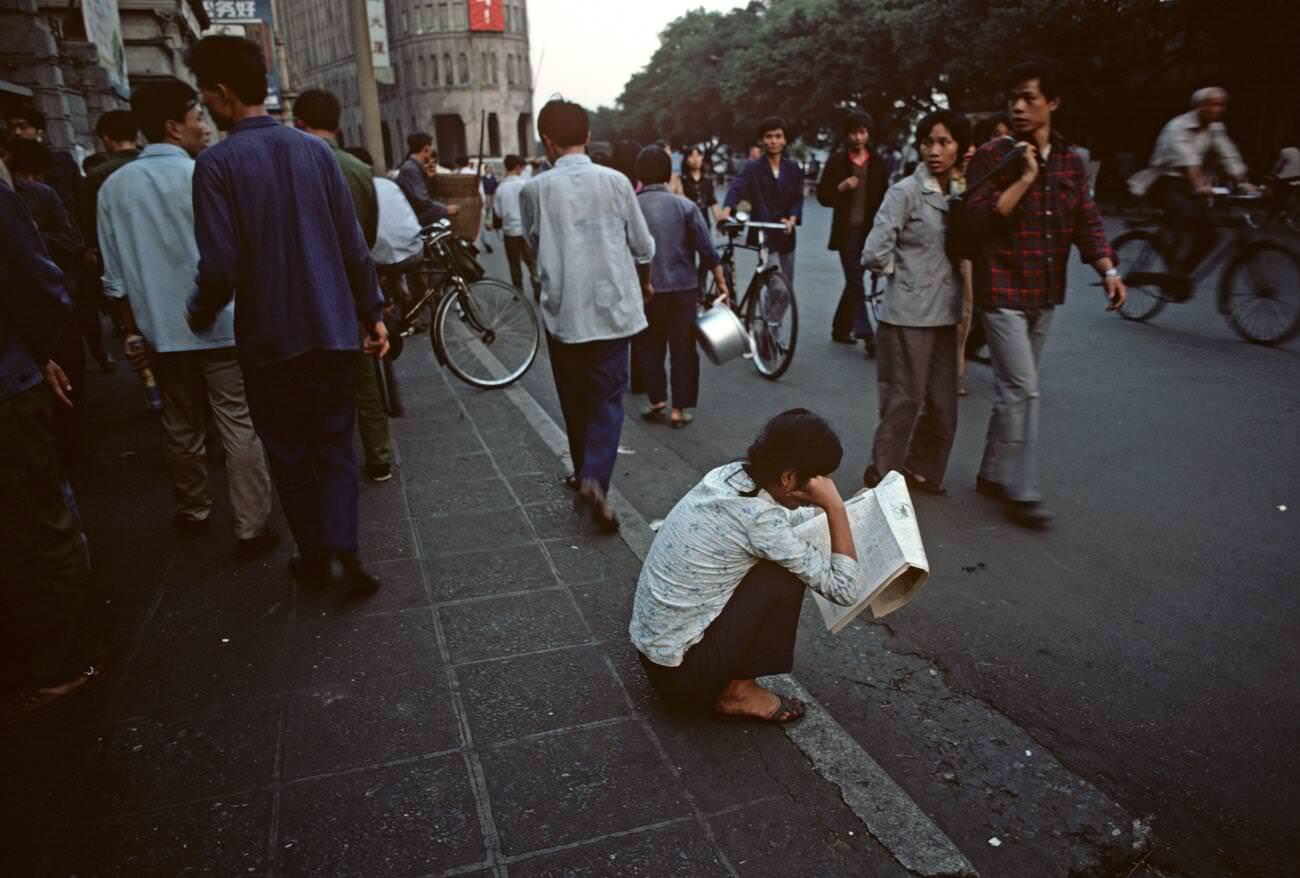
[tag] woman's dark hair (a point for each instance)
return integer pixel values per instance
(858, 119)
(686, 153)
(1049, 78)
(155, 102)
(624, 157)
(984, 128)
(512, 162)
(27, 113)
(318, 109)
(653, 165)
(564, 122)
(793, 440)
(957, 124)
(231, 61)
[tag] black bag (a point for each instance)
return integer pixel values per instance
(961, 238)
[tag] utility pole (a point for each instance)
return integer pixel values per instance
(367, 88)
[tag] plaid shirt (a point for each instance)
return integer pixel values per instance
(1022, 258)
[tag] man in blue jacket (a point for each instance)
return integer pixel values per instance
(773, 186)
(277, 231)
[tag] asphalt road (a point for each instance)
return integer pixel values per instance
(1149, 639)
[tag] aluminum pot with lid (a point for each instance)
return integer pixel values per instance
(721, 335)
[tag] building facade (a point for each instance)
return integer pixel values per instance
(457, 69)
(76, 61)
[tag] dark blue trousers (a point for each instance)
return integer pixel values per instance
(305, 411)
(591, 379)
(672, 332)
(851, 313)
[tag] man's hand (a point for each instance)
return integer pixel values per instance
(848, 184)
(453, 209)
(647, 292)
(1029, 154)
(1115, 291)
(58, 383)
(376, 343)
(136, 351)
(789, 223)
(820, 491)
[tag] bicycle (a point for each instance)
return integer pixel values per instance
(768, 310)
(1281, 207)
(484, 330)
(1259, 288)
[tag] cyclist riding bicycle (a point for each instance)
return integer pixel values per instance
(1177, 179)
(773, 185)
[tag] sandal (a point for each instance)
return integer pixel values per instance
(570, 481)
(787, 710)
(32, 702)
(679, 421)
(654, 412)
(924, 485)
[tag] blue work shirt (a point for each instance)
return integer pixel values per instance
(34, 304)
(277, 230)
(679, 232)
(145, 217)
(771, 198)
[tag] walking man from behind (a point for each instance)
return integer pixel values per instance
(146, 234)
(594, 252)
(317, 112)
(1029, 212)
(277, 231)
(854, 184)
(518, 253)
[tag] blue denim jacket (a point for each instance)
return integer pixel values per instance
(679, 232)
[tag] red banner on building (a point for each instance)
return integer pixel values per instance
(487, 15)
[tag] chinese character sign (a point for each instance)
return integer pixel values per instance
(487, 15)
(252, 18)
(379, 51)
(104, 29)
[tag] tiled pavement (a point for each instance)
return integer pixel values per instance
(484, 714)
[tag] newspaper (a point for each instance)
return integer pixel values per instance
(892, 565)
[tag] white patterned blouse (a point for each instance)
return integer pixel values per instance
(710, 540)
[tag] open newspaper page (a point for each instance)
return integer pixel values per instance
(892, 565)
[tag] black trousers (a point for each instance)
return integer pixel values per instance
(672, 332)
(754, 636)
(519, 254)
(1187, 217)
(851, 312)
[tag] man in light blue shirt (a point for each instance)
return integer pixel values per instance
(594, 252)
(145, 217)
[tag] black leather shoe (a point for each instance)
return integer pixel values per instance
(842, 337)
(309, 572)
(360, 583)
(258, 545)
(1030, 513)
(989, 488)
(190, 527)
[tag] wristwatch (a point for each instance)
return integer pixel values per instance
(1111, 272)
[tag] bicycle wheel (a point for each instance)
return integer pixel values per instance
(487, 332)
(1140, 259)
(772, 319)
(1260, 293)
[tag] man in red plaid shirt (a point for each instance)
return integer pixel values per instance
(1031, 208)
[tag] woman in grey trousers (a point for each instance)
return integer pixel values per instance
(920, 311)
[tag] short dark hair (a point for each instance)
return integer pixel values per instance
(513, 161)
(1047, 74)
(564, 123)
(117, 125)
(29, 156)
(794, 440)
(361, 153)
(417, 141)
(231, 61)
(858, 119)
(653, 166)
(318, 109)
(771, 123)
(462, 161)
(156, 102)
(956, 123)
(983, 131)
(29, 114)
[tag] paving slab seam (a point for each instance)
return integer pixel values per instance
(484, 598)
(515, 393)
(555, 733)
(370, 766)
(137, 644)
(277, 774)
(924, 849)
(532, 653)
(482, 800)
(597, 839)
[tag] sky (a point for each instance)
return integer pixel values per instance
(587, 49)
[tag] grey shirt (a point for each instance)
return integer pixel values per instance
(583, 222)
(907, 245)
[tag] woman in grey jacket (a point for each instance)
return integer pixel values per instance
(920, 311)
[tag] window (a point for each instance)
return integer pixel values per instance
(448, 72)
(433, 65)
(510, 18)
(462, 15)
(462, 67)
(483, 68)
(426, 17)
(406, 21)
(510, 69)
(495, 75)
(444, 22)
(424, 73)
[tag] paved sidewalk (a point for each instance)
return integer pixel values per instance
(484, 714)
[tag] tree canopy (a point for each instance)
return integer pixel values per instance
(1129, 65)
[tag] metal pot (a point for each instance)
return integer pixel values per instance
(721, 335)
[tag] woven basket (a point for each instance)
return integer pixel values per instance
(462, 191)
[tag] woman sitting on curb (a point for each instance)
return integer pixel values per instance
(718, 601)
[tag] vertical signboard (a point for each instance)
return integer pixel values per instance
(377, 17)
(104, 29)
(251, 19)
(487, 15)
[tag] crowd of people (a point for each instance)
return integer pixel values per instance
(187, 242)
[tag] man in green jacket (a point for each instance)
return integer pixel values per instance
(316, 112)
